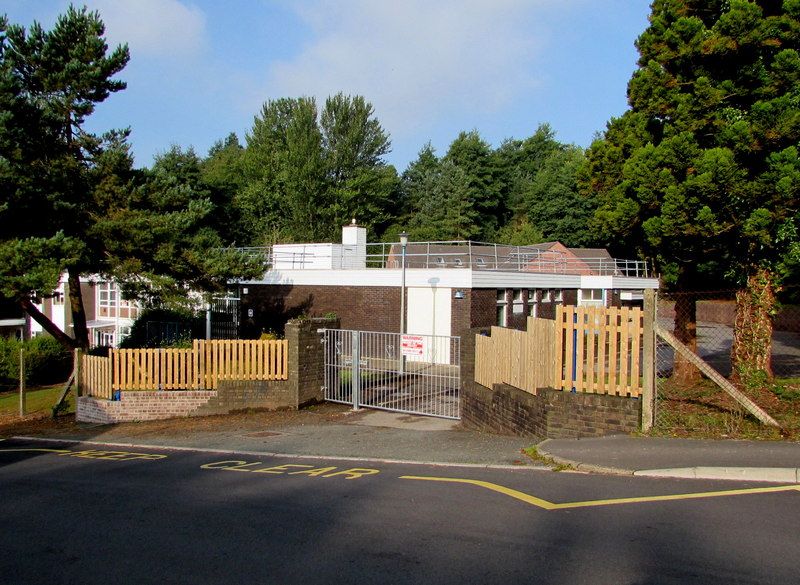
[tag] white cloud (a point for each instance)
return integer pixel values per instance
(167, 29)
(415, 60)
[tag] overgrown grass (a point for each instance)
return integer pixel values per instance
(38, 401)
(534, 454)
(703, 410)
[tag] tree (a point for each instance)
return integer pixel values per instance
(553, 202)
(447, 211)
(701, 172)
(72, 202)
(222, 171)
(52, 81)
(470, 153)
(308, 173)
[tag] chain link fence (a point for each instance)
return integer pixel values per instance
(688, 404)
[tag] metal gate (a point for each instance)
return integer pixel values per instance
(224, 315)
(417, 374)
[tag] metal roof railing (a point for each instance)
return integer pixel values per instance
(455, 254)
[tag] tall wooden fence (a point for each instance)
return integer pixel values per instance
(199, 368)
(585, 349)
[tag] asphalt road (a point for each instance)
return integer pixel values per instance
(86, 514)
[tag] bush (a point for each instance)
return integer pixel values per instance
(46, 361)
(164, 328)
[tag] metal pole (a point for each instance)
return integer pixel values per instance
(208, 321)
(356, 370)
(403, 244)
(21, 383)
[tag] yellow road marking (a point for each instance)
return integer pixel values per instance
(91, 454)
(544, 504)
(35, 450)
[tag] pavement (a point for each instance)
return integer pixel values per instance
(680, 458)
(385, 436)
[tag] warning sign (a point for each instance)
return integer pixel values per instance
(412, 345)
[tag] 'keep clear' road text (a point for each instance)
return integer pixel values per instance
(291, 469)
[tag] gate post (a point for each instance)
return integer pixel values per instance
(649, 360)
(356, 370)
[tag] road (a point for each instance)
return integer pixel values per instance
(91, 514)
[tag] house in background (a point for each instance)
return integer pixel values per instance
(14, 322)
(108, 316)
(449, 286)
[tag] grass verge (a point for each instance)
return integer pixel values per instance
(703, 410)
(38, 402)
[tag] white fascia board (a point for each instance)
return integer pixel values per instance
(415, 277)
(631, 283)
(499, 280)
(448, 278)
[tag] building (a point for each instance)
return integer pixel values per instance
(108, 316)
(14, 322)
(449, 286)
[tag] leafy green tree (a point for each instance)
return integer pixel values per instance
(447, 211)
(702, 171)
(70, 201)
(51, 82)
(470, 153)
(520, 232)
(161, 237)
(222, 171)
(308, 173)
(553, 202)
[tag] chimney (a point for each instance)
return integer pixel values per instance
(354, 246)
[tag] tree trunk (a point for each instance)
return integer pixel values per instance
(751, 353)
(78, 315)
(47, 324)
(684, 372)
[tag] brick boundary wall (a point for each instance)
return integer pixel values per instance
(304, 386)
(550, 413)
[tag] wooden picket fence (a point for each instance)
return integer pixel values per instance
(585, 349)
(199, 368)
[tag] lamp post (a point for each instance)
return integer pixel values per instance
(403, 244)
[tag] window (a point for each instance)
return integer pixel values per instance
(480, 262)
(58, 297)
(547, 296)
(533, 305)
(558, 296)
(440, 260)
(591, 296)
(502, 309)
(459, 262)
(518, 306)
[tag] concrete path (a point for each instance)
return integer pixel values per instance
(686, 458)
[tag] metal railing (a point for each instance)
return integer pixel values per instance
(456, 254)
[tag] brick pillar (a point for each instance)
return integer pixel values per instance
(307, 357)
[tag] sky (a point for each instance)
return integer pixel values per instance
(201, 69)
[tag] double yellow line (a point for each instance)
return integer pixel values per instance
(545, 505)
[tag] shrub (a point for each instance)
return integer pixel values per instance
(164, 328)
(46, 361)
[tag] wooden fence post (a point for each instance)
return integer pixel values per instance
(21, 383)
(649, 359)
(78, 369)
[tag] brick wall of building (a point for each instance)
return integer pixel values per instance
(371, 308)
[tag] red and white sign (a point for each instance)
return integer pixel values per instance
(412, 345)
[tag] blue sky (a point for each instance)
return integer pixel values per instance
(201, 69)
